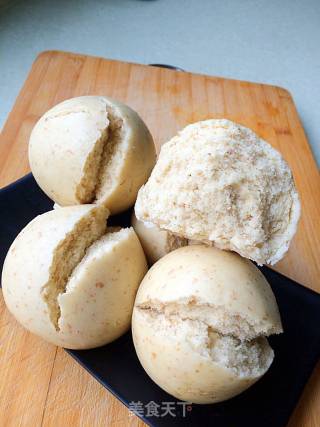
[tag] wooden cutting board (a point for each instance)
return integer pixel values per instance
(42, 385)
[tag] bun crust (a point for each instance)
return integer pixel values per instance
(69, 280)
(156, 243)
(199, 324)
(91, 149)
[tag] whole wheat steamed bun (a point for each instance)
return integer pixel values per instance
(70, 280)
(218, 181)
(200, 322)
(156, 243)
(90, 149)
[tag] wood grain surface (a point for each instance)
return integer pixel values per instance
(42, 385)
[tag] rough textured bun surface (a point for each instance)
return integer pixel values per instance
(90, 149)
(156, 243)
(200, 323)
(218, 181)
(72, 281)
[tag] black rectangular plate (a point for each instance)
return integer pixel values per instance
(268, 403)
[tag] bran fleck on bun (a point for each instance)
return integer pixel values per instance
(200, 323)
(217, 181)
(156, 243)
(70, 280)
(91, 149)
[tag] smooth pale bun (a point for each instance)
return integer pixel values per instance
(217, 181)
(199, 324)
(69, 280)
(156, 243)
(90, 149)
(208, 281)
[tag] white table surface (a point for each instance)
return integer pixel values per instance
(267, 41)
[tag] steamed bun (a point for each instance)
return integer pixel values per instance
(218, 182)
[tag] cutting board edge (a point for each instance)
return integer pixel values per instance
(283, 91)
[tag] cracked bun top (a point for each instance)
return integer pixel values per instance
(89, 149)
(71, 280)
(217, 181)
(200, 322)
(227, 292)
